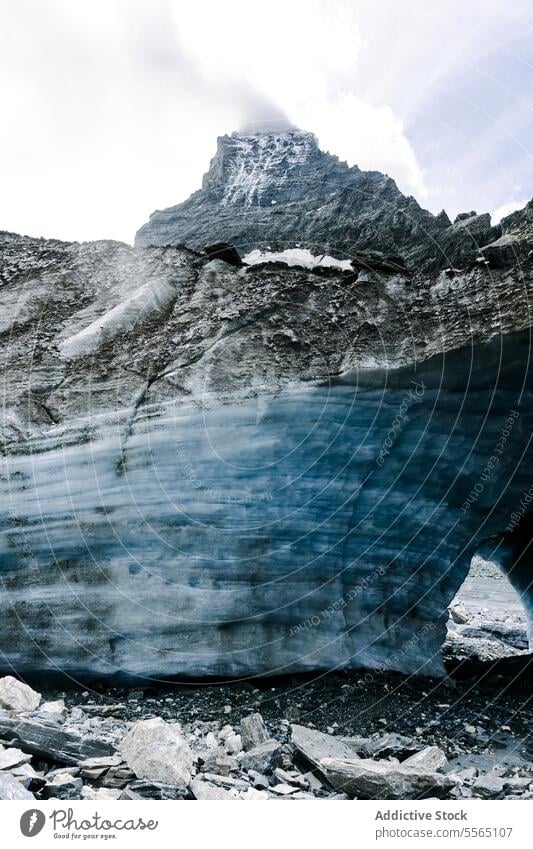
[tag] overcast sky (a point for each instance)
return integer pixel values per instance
(111, 108)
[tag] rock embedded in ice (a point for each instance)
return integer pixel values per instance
(156, 750)
(17, 696)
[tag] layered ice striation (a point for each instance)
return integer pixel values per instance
(218, 471)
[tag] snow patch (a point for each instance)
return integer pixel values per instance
(297, 256)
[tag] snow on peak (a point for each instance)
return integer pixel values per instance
(263, 162)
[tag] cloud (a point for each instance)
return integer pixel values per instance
(303, 57)
(111, 109)
(506, 209)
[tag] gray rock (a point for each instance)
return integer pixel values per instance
(387, 746)
(95, 794)
(17, 696)
(253, 731)
(156, 750)
(314, 745)
(488, 786)
(145, 789)
(233, 744)
(117, 776)
(284, 789)
(52, 709)
(430, 758)
(204, 790)
(261, 758)
(10, 758)
(367, 779)
(10, 788)
(63, 786)
(217, 761)
(258, 780)
(104, 762)
(458, 614)
(51, 742)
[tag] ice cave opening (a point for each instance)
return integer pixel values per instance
(487, 617)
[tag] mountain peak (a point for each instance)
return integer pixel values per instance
(274, 188)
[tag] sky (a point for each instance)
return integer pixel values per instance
(111, 108)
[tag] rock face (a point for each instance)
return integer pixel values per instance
(279, 190)
(214, 470)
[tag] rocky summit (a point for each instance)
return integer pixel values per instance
(278, 190)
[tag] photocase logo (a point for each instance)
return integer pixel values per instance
(32, 822)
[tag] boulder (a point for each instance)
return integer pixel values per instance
(17, 696)
(63, 786)
(216, 760)
(52, 709)
(253, 731)
(431, 759)
(367, 779)
(378, 261)
(156, 750)
(261, 758)
(458, 614)
(314, 745)
(507, 250)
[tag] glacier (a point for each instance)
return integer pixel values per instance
(219, 471)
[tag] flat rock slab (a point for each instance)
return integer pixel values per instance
(367, 779)
(205, 791)
(51, 742)
(315, 745)
(431, 758)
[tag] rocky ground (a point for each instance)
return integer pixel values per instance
(335, 736)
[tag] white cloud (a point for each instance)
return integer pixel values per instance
(111, 108)
(506, 209)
